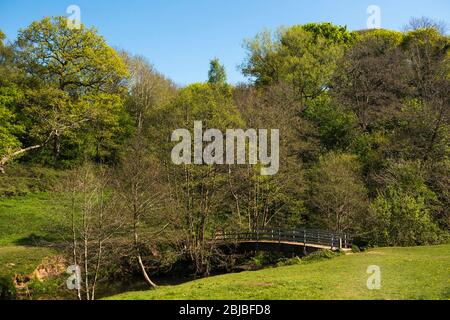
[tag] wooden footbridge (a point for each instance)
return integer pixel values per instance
(294, 239)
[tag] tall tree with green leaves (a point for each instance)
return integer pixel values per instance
(10, 127)
(303, 56)
(74, 83)
(337, 193)
(198, 190)
(216, 73)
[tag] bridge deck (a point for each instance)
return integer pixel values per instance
(299, 244)
(318, 239)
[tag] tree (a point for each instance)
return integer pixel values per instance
(304, 57)
(141, 190)
(216, 73)
(74, 77)
(336, 127)
(371, 79)
(337, 193)
(197, 190)
(426, 23)
(428, 53)
(140, 182)
(94, 222)
(10, 93)
(403, 212)
(149, 93)
(403, 219)
(277, 200)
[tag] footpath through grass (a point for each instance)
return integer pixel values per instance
(406, 273)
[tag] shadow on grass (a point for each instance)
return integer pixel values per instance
(34, 240)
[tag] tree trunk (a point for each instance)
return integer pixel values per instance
(144, 272)
(56, 148)
(138, 256)
(5, 159)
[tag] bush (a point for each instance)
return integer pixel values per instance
(262, 259)
(322, 255)
(7, 288)
(289, 262)
(402, 219)
(313, 257)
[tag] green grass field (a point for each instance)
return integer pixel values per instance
(26, 222)
(406, 273)
(21, 260)
(27, 219)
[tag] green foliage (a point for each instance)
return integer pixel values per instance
(216, 73)
(337, 193)
(7, 288)
(9, 131)
(10, 93)
(387, 37)
(212, 104)
(262, 259)
(336, 127)
(76, 61)
(76, 91)
(403, 220)
(303, 56)
(313, 257)
(336, 34)
(403, 212)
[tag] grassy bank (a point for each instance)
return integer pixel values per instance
(406, 273)
(26, 220)
(21, 260)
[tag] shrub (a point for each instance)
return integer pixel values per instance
(322, 255)
(7, 288)
(402, 219)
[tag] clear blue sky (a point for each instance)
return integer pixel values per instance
(180, 37)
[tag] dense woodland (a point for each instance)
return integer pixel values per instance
(364, 141)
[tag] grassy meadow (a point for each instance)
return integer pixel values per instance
(406, 273)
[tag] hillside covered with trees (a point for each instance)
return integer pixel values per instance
(364, 120)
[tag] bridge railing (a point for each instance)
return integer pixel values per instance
(298, 236)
